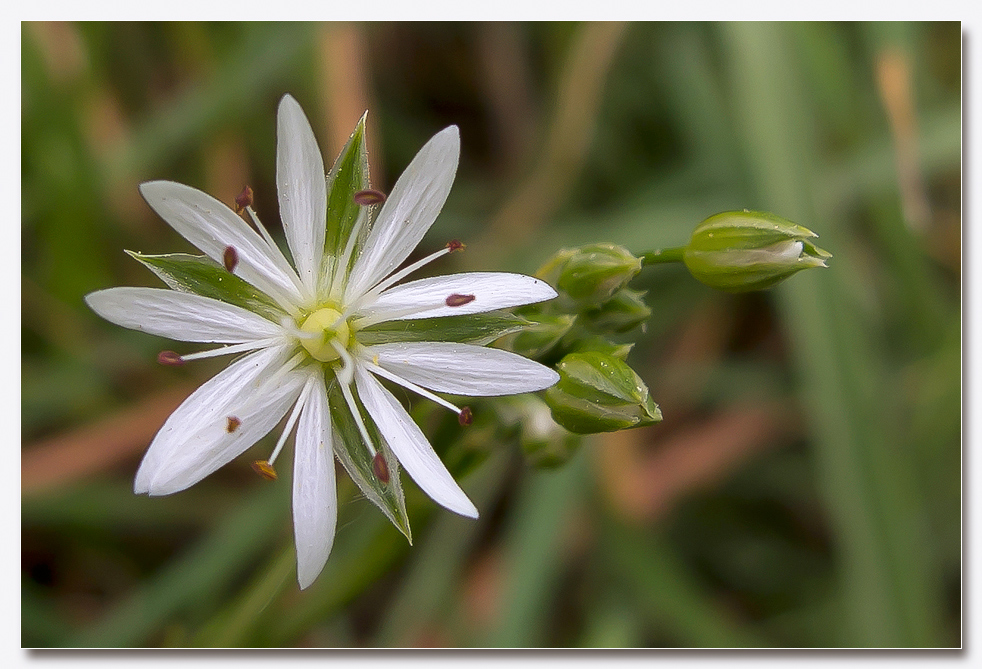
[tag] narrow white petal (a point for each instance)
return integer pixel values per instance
(195, 440)
(213, 227)
(463, 369)
(410, 446)
(409, 211)
(180, 316)
(302, 190)
(491, 290)
(315, 502)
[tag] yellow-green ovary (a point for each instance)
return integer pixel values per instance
(327, 323)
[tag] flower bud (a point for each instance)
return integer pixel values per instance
(591, 274)
(622, 313)
(740, 251)
(544, 333)
(598, 392)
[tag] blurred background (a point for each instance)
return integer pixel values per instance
(804, 488)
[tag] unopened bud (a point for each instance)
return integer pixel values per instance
(622, 313)
(739, 251)
(592, 274)
(598, 392)
(544, 333)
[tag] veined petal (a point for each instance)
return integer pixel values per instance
(315, 501)
(212, 227)
(195, 440)
(409, 445)
(302, 191)
(491, 290)
(180, 316)
(463, 369)
(409, 211)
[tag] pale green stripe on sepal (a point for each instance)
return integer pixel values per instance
(350, 449)
(478, 329)
(348, 176)
(203, 276)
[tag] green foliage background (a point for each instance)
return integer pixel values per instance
(804, 488)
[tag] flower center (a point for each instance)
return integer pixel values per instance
(327, 323)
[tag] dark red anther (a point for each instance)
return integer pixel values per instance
(243, 200)
(369, 197)
(169, 358)
(381, 468)
(456, 245)
(232, 424)
(466, 416)
(457, 300)
(230, 258)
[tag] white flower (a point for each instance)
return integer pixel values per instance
(307, 346)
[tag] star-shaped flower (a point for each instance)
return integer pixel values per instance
(321, 333)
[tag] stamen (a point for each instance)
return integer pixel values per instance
(291, 421)
(369, 197)
(243, 200)
(223, 350)
(356, 414)
(262, 229)
(466, 416)
(409, 385)
(373, 317)
(456, 245)
(230, 258)
(458, 300)
(170, 358)
(380, 467)
(341, 269)
(233, 424)
(385, 283)
(264, 469)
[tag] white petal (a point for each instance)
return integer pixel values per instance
(463, 369)
(315, 502)
(213, 227)
(491, 290)
(195, 440)
(409, 211)
(302, 190)
(410, 446)
(180, 316)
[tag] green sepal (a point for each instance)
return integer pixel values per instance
(591, 274)
(598, 392)
(203, 276)
(351, 451)
(543, 333)
(622, 313)
(479, 329)
(601, 345)
(348, 176)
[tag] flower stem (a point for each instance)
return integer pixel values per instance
(662, 256)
